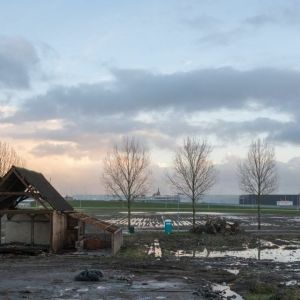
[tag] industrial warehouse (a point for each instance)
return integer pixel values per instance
(271, 200)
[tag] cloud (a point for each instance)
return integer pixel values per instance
(133, 91)
(289, 133)
(222, 37)
(203, 21)
(49, 149)
(288, 173)
(261, 20)
(108, 110)
(18, 58)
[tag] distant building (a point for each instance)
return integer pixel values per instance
(158, 197)
(272, 200)
(157, 193)
(96, 197)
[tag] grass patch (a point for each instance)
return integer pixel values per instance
(260, 290)
(102, 206)
(258, 296)
(291, 293)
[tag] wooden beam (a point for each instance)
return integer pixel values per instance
(15, 194)
(51, 232)
(34, 195)
(0, 229)
(26, 211)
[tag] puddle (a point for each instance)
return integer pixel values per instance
(226, 291)
(189, 213)
(267, 244)
(100, 287)
(262, 224)
(155, 249)
(154, 284)
(279, 255)
(291, 283)
(233, 271)
(83, 290)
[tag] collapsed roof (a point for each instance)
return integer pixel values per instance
(95, 222)
(19, 184)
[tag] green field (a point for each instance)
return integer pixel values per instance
(98, 205)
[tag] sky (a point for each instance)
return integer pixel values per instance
(78, 76)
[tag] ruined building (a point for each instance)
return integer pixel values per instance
(53, 224)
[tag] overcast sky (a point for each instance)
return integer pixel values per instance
(77, 76)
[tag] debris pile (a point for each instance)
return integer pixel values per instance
(217, 225)
(89, 275)
(22, 249)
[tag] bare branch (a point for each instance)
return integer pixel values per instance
(258, 174)
(126, 173)
(194, 173)
(8, 158)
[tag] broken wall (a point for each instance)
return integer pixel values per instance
(59, 230)
(117, 241)
(27, 229)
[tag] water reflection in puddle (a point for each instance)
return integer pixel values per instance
(155, 249)
(265, 251)
(279, 255)
(291, 283)
(233, 271)
(226, 291)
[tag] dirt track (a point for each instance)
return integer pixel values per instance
(153, 265)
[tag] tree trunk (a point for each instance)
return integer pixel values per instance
(194, 213)
(129, 212)
(258, 211)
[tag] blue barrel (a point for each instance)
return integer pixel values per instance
(168, 226)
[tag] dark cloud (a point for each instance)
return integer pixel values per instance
(235, 130)
(17, 60)
(93, 111)
(289, 132)
(133, 91)
(218, 32)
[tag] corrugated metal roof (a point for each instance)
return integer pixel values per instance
(21, 180)
(95, 222)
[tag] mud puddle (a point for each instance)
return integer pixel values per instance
(276, 255)
(226, 292)
(266, 250)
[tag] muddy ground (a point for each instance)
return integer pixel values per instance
(183, 220)
(153, 265)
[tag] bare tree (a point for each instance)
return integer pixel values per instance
(258, 174)
(8, 158)
(194, 173)
(126, 172)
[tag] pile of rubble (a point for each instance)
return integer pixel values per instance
(217, 225)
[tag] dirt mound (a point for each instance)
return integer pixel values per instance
(217, 225)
